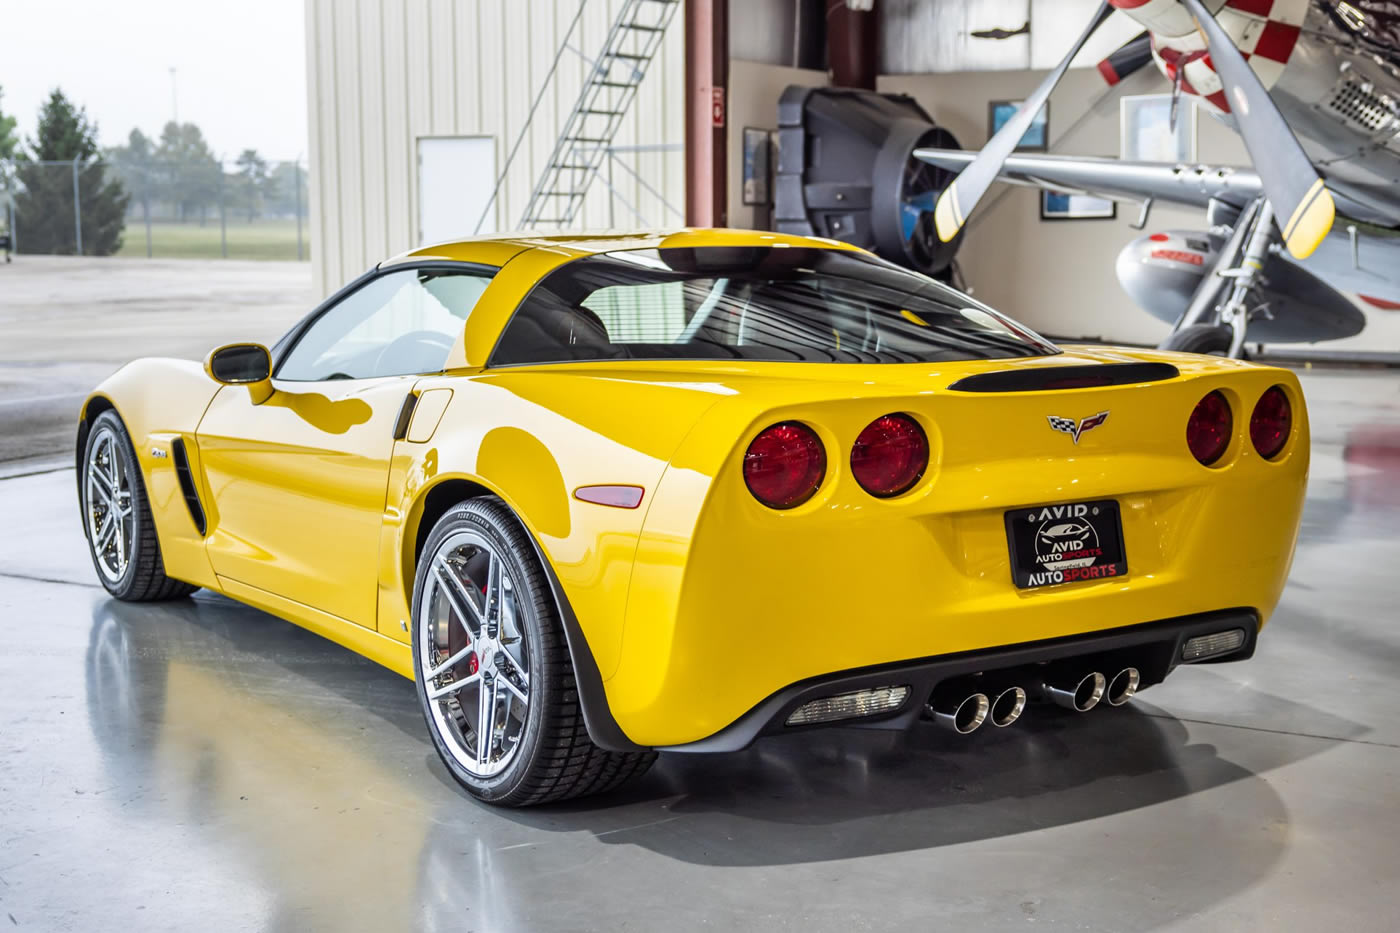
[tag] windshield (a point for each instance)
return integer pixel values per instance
(753, 303)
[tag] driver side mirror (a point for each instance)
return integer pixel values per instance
(242, 364)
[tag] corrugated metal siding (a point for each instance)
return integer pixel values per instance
(382, 73)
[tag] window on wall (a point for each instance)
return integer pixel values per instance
(397, 324)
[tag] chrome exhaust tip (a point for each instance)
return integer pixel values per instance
(1080, 695)
(1122, 687)
(964, 716)
(1007, 707)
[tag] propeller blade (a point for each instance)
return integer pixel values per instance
(960, 198)
(1299, 196)
(1127, 59)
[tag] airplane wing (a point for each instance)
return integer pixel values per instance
(1355, 256)
(1191, 185)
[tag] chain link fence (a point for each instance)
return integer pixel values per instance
(206, 209)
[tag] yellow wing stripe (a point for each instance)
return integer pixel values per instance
(947, 215)
(1311, 221)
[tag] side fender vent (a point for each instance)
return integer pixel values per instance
(182, 470)
(1051, 378)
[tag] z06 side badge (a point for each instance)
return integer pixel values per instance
(1076, 428)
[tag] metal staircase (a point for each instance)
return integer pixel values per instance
(582, 147)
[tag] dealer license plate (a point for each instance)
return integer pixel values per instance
(1070, 543)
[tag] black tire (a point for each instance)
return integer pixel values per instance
(143, 577)
(553, 758)
(1211, 339)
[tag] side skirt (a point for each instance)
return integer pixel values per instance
(395, 655)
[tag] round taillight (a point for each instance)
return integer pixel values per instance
(890, 455)
(1271, 423)
(784, 465)
(1208, 432)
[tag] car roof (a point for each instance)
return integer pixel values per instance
(497, 249)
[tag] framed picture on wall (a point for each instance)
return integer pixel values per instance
(1056, 205)
(1148, 134)
(1036, 137)
(758, 161)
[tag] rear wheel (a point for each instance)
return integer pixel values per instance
(492, 667)
(1213, 339)
(117, 518)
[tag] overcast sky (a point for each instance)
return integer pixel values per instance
(240, 68)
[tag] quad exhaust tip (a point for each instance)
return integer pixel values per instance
(1007, 707)
(963, 716)
(1122, 687)
(1080, 695)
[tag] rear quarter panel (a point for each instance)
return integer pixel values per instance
(532, 437)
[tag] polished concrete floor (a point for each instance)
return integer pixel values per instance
(200, 765)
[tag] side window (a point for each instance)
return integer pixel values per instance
(399, 324)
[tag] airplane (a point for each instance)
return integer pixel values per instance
(1313, 89)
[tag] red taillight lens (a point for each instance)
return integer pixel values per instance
(890, 455)
(1208, 432)
(784, 465)
(1271, 423)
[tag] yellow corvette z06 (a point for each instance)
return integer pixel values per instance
(603, 497)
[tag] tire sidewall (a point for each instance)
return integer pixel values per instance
(108, 422)
(486, 517)
(1205, 339)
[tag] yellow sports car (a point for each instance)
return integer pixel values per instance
(604, 497)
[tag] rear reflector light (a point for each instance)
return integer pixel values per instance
(849, 705)
(1271, 423)
(890, 455)
(1208, 646)
(784, 465)
(1208, 432)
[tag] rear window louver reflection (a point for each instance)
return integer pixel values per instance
(1047, 378)
(182, 470)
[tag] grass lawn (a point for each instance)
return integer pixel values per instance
(261, 239)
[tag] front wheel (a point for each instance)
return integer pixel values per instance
(117, 521)
(492, 668)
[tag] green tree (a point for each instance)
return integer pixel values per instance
(9, 139)
(192, 172)
(135, 166)
(287, 190)
(9, 144)
(253, 182)
(44, 203)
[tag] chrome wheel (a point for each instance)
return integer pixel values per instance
(111, 523)
(473, 659)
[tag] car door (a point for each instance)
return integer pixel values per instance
(297, 482)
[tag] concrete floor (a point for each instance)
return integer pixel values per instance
(69, 322)
(201, 764)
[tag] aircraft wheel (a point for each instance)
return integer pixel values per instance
(1212, 339)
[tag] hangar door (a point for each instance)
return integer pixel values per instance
(455, 178)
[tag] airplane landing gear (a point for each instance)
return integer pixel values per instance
(1208, 321)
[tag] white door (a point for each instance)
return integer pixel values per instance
(456, 175)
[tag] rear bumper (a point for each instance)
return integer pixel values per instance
(1154, 648)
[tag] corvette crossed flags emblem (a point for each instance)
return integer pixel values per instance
(1076, 428)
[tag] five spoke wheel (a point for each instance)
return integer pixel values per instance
(493, 666)
(473, 653)
(107, 506)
